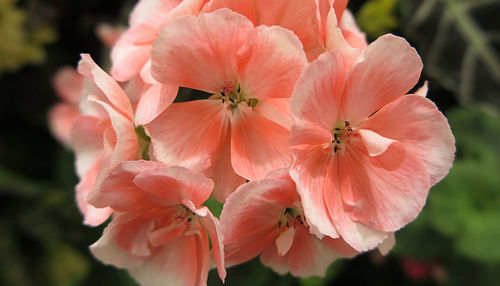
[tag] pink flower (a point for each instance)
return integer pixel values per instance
(266, 218)
(159, 228)
(68, 85)
(365, 153)
(102, 136)
(299, 16)
(251, 73)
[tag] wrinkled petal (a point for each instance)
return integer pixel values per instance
(337, 39)
(187, 184)
(189, 134)
(110, 89)
(270, 63)
(87, 142)
(153, 102)
(386, 70)
(417, 123)
(200, 52)
(258, 144)
(120, 193)
(383, 199)
(132, 51)
(285, 241)
(317, 94)
(214, 230)
(92, 216)
(285, 13)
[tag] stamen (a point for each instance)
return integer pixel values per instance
(342, 134)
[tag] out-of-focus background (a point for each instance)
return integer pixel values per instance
(454, 241)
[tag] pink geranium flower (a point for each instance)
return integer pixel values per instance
(266, 218)
(365, 153)
(159, 228)
(68, 85)
(251, 72)
(102, 136)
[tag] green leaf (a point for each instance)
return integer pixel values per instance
(377, 17)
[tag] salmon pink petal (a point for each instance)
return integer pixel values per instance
(422, 91)
(310, 256)
(416, 122)
(384, 199)
(301, 21)
(388, 153)
(189, 134)
(310, 172)
(339, 6)
(61, 119)
(272, 259)
(68, 85)
(187, 184)
(361, 237)
(153, 102)
(323, 79)
(180, 262)
(108, 34)
(108, 250)
(212, 224)
(131, 51)
(337, 39)
(120, 193)
(111, 89)
(226, 179)
(270, 63)
(86, 141)
(200, 52)
(151, 12)
(166, 234)
(353, 35)
(258, 144)
(304, 132)
(386, 70)
(92, 216)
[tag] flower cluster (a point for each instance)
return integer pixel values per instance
(309, 138)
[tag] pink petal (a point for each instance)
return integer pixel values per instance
(92, 216)
(214, 230)
(270, 63)
(108, 34)
(189, 134)
(175, 184)
(151, 12)
(339, 6)
(317, 94)
(62, 116)
(68, 85)
(87, 142)
(109, 251)
(153, 102)
(258, 144)
(298, 16)
(250, 217)
(119, 191)
(387, 245)
(422, 91)
(310, 256)
(417, 123)
(225, 178)
(200, 52)
(383, 199)
(183, 261)
(110, 88)
(132, 51)
(285, 240)
(310, 172)
(272, 259)
(166, 234)
(353, 35)
(386, 70)
(344, 41)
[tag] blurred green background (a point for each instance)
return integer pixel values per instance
(455, 240)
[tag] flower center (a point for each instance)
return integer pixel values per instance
(184, 214)
(342, 133)
(232, 95)
(290, 217)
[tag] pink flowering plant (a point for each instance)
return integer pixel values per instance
(310, 137)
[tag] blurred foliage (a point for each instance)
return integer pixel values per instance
(459, 41)
(377, 17)
(20, 45)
